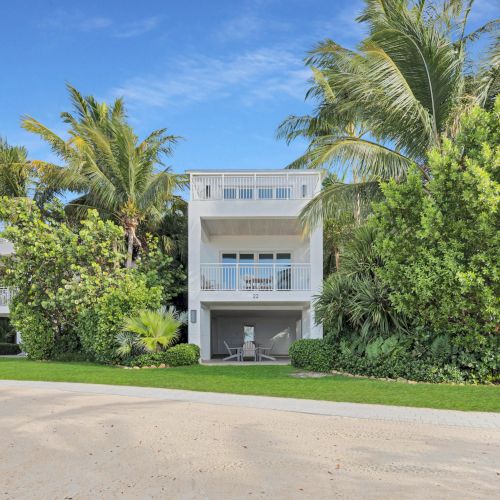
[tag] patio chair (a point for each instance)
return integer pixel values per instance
(249, 351)
(234, 353)
(265, 353)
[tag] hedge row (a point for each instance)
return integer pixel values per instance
(179, 355)
(320, 356)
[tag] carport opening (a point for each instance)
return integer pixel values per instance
(277, 328)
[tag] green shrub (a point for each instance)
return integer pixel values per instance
(311, 354)
(179, 355)
(182, 355)
(9, 349)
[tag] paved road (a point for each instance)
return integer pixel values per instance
(78, 441)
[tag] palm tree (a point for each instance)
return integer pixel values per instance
(108, 167)
(384, 105)
(157, 330)
(16, 171)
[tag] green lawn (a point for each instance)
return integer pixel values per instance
(262, 380)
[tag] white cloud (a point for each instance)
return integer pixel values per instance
(75, 20)
(254, 76)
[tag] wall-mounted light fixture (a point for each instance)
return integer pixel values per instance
(193, 315)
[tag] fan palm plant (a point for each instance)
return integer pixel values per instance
(156, 330)
(108, 167)
(384, 105)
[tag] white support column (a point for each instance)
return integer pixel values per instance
(205, 333)
(316, 255)
(194, 285)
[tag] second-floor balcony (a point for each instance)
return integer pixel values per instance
(285, 185)
(255, 277)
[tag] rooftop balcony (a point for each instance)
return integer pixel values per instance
(255, 277)
(261, 186)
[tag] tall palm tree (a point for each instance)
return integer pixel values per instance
(16, 171)
(108, 167)
(384, 105)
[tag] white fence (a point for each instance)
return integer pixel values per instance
(4, 296)
(287, 186)
(253, 277)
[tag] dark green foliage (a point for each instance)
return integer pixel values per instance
(311, 354)
(179, 355)
(7, 332)
(6, 348)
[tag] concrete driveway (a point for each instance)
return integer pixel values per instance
(65, 441)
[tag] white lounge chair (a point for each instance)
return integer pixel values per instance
(265, 353)
(249, 351)
(234, 353)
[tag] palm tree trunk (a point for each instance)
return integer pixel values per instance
(130, 243)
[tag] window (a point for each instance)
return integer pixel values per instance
(208, 192)
(229, 193)
(248, 333)
(283, 271)
(304, 190)
(266, 193)
(283, 193)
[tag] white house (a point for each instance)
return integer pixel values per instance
(252, 272)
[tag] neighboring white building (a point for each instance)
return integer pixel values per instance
(6, 248)
(250, 265)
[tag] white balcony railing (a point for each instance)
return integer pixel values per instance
(4, 296)
(253, 277)
(286, 186)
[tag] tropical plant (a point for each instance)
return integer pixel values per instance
(385, 104)
(16, 170)
(354, 304)
(108, 167)
(157, 330)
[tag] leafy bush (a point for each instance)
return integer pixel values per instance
(9, 349)
(182, 355)
(51, 262)
(439, 243)
(125, 294)
(179, 355)
(311, 354)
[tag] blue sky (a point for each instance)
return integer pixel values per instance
(221, 74)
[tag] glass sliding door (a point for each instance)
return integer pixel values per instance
(265, 271)
(228, 278)
(283, 271)
(247, 271)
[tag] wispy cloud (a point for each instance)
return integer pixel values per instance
(248, 26)
(136, 28)
(254, 76)
(76, 20)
